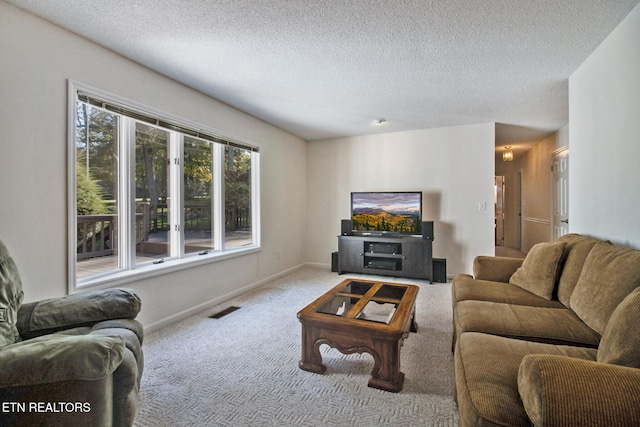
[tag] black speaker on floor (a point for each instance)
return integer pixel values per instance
(427, 230)
(334, 261)
(439, 270)
(345, 227)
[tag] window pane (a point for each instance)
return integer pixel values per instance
(152, 211)
(237, 201)
(198, 189)
(146, 191)
(96, 190)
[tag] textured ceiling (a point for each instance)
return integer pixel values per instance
(328, 68)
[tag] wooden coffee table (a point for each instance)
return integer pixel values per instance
(359, 316)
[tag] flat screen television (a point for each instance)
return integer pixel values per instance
(393, 212)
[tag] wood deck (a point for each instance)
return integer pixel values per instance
(90, 266)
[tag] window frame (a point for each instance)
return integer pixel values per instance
(178, 259)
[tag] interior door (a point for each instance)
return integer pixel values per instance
(560, 171)
(499, 209)
(517, 190)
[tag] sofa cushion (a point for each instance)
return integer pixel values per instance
(495, 268)
(10, 297)
(486, 369)
(576, 252)
(620, 344)
(539, 271)
(609, 274)
(465, 287)
(571, 391)
(539, 324)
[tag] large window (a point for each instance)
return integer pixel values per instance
(152, 192)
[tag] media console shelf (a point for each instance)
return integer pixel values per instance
(402, 256)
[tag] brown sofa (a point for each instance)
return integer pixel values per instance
(553, 339)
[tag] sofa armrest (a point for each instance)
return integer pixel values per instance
(84, 309)
(56, 358)
(495, 268)
(562, 391)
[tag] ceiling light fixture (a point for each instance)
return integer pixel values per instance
(379, 122)
(507, 154)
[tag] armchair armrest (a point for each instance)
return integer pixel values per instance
(495, 268)
(55, 358)
(562, 391)
(84, 309)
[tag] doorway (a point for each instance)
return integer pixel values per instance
(517, 194)
(498, 196)
(560, 169)
(508, 210)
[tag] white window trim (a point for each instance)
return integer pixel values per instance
(122, 277)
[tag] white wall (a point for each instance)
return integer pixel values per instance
(453, 167)
(604, 134)
(36, 61)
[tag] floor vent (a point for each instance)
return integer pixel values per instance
(224, 312)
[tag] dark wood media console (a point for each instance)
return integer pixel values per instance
(402, 256)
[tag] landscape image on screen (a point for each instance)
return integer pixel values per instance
(386, 212)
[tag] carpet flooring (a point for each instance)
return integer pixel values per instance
(241, 369)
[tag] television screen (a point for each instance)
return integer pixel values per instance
(387, 212)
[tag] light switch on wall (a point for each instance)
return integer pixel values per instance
(482, 206)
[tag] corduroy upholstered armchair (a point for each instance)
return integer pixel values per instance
(74, 360)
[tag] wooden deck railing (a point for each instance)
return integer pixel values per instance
(97, 234)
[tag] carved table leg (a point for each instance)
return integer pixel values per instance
(311, 358)
(386, 373)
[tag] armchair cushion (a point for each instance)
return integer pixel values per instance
(10, 297)
(55, 314)
(58, 357)
(562, 391)
(539, 271)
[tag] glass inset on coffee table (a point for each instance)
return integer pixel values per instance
(359, 316)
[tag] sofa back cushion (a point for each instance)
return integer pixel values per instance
(620, 343)
(10, 297)
(539, 270)
(576, 251)
(609, 274)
